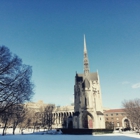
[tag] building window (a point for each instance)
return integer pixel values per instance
(116, 113)
(85, 102)
(106, 118)
(111, 114)
(117, 119)
(112, 118)
(106, 114)
(118, 124)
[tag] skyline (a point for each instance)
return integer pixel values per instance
(49, 36)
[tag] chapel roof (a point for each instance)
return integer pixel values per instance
(92, 76)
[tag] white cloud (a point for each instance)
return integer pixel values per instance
(137, 85)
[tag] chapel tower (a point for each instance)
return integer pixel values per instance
(87, 98)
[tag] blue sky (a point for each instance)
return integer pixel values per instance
(48, 35)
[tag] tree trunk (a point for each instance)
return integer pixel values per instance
(34, 126)
(14, 127)
(4, 128)
(3, 133)
(22, 131)
(14, 130)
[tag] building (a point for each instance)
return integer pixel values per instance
(88, 110)
(117, 119)
(36, 105)
(62, 116)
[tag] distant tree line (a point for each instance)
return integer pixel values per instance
(25, 117)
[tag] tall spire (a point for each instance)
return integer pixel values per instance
(86, 63)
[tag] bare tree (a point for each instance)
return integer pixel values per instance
(15, 80)
(6, 118)
(49, 116)
(26, 122)
(43, 116)
(20, 113)
(132, 109)
(36, 120)
(25, 119)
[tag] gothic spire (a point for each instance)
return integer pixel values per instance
(86, 63)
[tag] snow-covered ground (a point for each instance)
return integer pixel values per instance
(52, 135)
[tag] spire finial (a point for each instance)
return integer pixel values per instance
(86, 66)
(85, 47)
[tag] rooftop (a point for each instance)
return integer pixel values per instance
(114, 110)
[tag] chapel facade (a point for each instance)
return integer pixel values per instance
(88, 110)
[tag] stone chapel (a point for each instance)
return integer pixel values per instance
(88, 110)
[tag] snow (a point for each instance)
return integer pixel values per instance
(54, 135)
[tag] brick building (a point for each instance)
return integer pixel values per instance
(116, 118)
